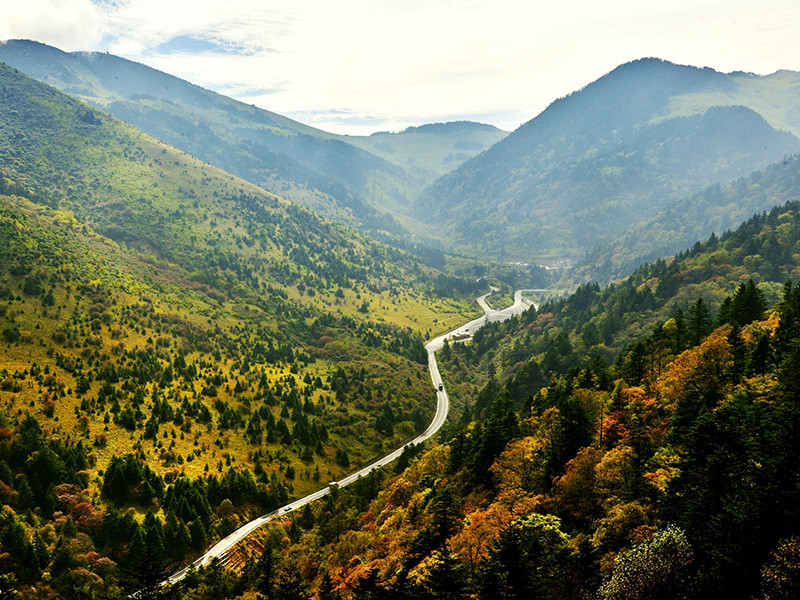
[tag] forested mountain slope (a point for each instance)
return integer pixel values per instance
(715, 209)
(352, 180)
(601, 160)
(637, 441)
(178, 342)
(150, 197)
(281, 155)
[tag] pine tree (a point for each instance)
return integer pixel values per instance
(446, 516)
(699, 323)
(63, 557)
(788, 319)
(198, 535)
(326, 591)
(146, 559)
(736, 343)
(789, 371)
(290, 586)
(368, 587)
(679, 341)
(42, 552)
(446, 579)
(760, 356)
(265, 583)
(69, 529)
(725, 313)
(25, 497)
(748, 303)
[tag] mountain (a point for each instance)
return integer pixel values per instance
(176, 340)
(715, 209)
(432, 149)
(281, 155)
(352, 180)
(183, 351)
(608, 157)
(668, 470)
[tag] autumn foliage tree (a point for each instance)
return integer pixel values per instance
(658, 569)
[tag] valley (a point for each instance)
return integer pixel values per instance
(220, 550)
(254, 359)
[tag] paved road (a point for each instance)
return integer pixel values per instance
(463, 333)
(221, 548)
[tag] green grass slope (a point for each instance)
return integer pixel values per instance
(353, 180)
(169, 329)
(151, 197)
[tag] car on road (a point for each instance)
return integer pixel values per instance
(441, 387)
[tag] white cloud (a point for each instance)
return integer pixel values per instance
(140, 26)
(67, 24)
(360, 63)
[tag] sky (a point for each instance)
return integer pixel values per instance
(359, 66)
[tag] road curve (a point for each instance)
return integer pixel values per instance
(221, 548)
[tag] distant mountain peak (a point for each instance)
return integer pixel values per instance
(32, 43)
(443, 128)
(451, 126)
(614, 152)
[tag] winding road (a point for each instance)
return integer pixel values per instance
(460, 334)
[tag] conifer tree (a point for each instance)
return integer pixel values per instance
(42, 552)
(63, 557)
(198, 535)
(290, 586)
(680, 335)
(326, 591)
(736, 343)
(25, 498)
(265, 582)
(748, 303)
(368, 587)
(699, 323)
(146, 559)
(446, 579)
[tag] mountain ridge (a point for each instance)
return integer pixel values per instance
(342, 177)
(177, 341)
(714, 210)
(573, 152)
